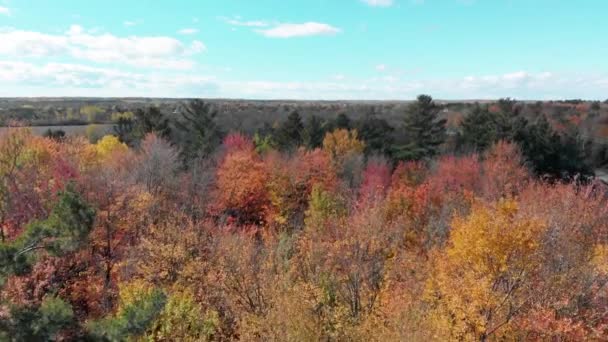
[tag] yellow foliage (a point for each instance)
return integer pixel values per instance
(109, 145)
(600, 259)
(341, 143)
(479, 282)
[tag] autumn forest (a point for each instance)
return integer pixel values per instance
(172, 227)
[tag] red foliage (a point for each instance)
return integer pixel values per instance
(376, 180)
(234, 142)
(503, 171)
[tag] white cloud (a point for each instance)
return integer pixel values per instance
(151, 51)
(129, 23)
(299, 30)
(381, 67)
(62, 79)
(379, 3)
(4, 10)
(236, 21)
(188, 31)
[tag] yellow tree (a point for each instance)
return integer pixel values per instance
(342, 143)
(481, 282)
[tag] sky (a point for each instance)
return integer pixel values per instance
(305, 49)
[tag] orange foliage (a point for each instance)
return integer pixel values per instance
(241, 188)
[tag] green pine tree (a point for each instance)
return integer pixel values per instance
(424, 131)
(200, 134)
(314, 132)
(289, 135)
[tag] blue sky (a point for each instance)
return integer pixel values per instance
(313, 49)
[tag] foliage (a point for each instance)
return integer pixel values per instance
(43, 323)
(139, 307)
(327, 239)
(241, 188)
(494, 253)
(341, 143)
(424, 129)
(201, 134)
(63, 231)
(376, 132)
(314, 132)
(289, 134)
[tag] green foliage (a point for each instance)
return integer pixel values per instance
(55, 134)
(322, 206)
(314, 132)
(151, 120)
(182, 319)
(94, 133)
(66, 228)
(552, 155)
(123, 129)
(342, 121)
(41, 323)
(376, 132)
(200, 132)
(290, 134)
(132, 320)
(263, 144)
(479, 129)
(424, 130)
(91, 112)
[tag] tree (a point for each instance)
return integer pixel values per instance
(479, 129)
(56, 134)
(241, 188)
(342, 121)
(42, 323)
(484, 278)
(139, 307)
(290, 134)
(65, 229)
(151, 120)
(425, 132)
(341, 143)
(510, 122)
(376, 133)
(124, 128)
(552, 155)
(158, 164)
(200, 132)
(108, 145)
(314, 132)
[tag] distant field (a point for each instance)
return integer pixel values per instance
(102, 129)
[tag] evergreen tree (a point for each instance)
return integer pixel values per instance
(123, 129)
(151, 120)
(314, 132)
(510, 123)
(554, 156)
(130, 321)
(65, 229)
(37, 323)
(290, 134)
(479, 129)
(424, 130)
(55, 134)
(376, 132)
(200, 134)
(342, 121)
